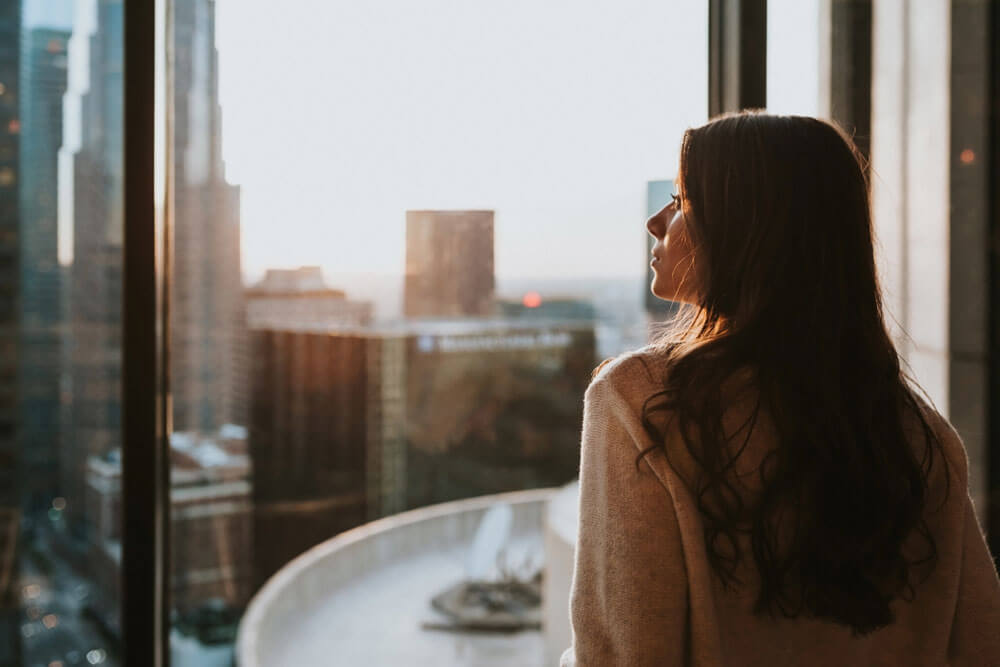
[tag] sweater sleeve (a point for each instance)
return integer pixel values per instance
(975, 634)
(628, 602)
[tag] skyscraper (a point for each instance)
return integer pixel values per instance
(206, 306)
(347, 427)
(43, 82)
(90, 198)
(449, 264)
(10, 127)
(307, 440)
(208, 323)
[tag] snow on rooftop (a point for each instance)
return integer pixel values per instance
(232, 432)
(206, 452)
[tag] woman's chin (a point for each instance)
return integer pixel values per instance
(668, 295)
(659, 292)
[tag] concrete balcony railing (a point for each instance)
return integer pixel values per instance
(359, 598)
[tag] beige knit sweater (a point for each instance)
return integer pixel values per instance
(644, 594)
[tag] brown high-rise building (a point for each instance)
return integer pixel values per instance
(347, 427)
(307, 436)
(449, 264)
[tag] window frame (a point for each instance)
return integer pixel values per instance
(145, 540)
(737, 49)
(737, 79)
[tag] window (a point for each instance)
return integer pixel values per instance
(392, 272)
(441, 238)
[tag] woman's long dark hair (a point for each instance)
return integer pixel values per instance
(778, 212)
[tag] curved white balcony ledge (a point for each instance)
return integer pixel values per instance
(359, 598)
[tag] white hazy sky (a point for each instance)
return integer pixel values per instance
(341, 115)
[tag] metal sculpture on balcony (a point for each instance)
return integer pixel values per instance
(496, 595)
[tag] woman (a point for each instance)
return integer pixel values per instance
(763, 486)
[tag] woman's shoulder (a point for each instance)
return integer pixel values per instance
(634, 374)
(952, 446)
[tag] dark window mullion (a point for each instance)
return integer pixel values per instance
(144, 617)
(737, 55)
(993, 190)
(851, 69)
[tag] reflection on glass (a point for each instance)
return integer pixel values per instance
(60, 321)
(210, 508)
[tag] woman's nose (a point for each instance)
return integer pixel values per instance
(657, 223)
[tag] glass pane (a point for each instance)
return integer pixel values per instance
(60, 321)
(974, 382)
(441, 213)
(794, 49)
(819, 62)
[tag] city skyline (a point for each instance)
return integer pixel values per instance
(339, 146)
(617, 246)
(330, 153)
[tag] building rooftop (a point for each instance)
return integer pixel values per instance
(195, 460)
(303, 279)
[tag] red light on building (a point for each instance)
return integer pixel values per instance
(532, 300)
(14, 126)
(968, 156)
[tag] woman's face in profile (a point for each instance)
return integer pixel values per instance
(673, 256)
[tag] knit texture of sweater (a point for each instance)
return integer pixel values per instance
(643, 592)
